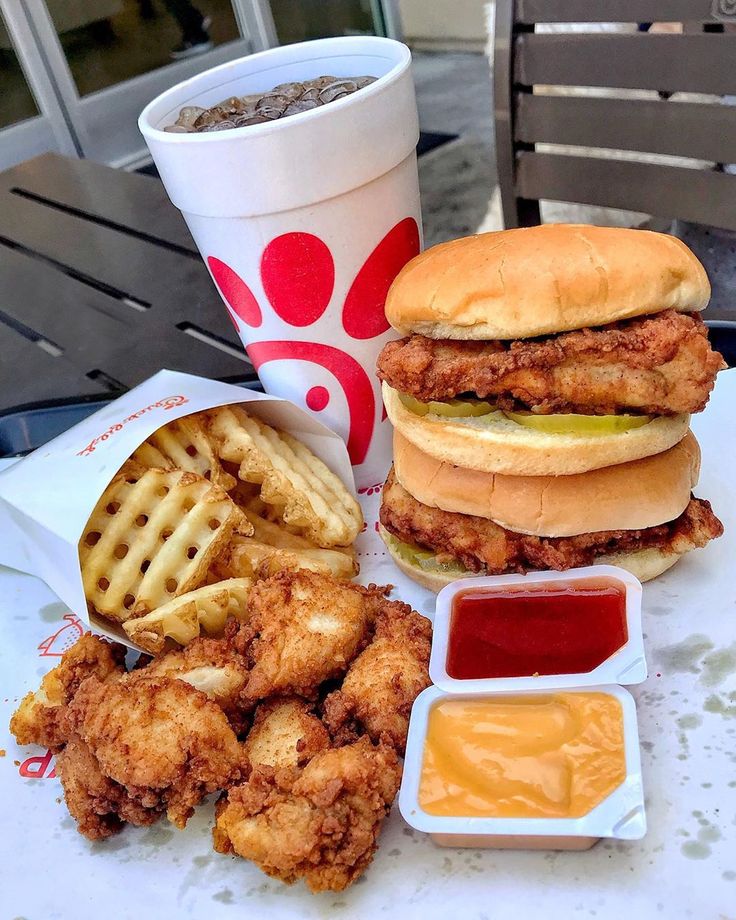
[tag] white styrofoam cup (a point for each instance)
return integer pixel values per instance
(304, 222)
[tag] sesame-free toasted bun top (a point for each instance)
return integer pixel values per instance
(629, 496)
(532, 281)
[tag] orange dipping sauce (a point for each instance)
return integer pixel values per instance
(552, 628)
(554, 755)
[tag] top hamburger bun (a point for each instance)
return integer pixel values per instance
(629, 496)
(533, 281)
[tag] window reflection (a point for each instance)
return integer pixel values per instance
(16, 101)
(302, 20)
(109, 41)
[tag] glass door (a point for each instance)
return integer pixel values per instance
(31, 119)
(108, 58)
(75, 74)
(302, 20)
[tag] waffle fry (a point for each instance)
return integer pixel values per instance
(168, 553)
(299, 488)
(153, 539)
(183, 445)
(248, 557)
(278, 535)
(183, 618)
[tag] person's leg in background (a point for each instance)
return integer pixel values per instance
(194, 26)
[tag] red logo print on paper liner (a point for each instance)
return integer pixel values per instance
(298, 277)
(64, 637)
(36, 767)
(40, 767)
(371, 490)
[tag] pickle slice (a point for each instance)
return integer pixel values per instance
(579, 424)
(453, 408)
(424, 559)
(561, 423)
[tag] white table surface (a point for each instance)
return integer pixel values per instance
(684, 867)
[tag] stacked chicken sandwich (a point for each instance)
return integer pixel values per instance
(541, 401)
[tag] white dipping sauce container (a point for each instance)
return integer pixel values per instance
(621, 814)
(626, 666)
(336, 188)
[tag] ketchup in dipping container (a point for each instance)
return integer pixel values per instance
(518, 631)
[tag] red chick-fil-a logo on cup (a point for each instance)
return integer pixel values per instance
(168, 402)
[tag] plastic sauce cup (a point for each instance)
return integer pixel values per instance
(627, 665)
(620, 815)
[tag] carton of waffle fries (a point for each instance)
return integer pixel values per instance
(152, 518)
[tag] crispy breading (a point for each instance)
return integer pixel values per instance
(212, 666)
(138, 745)
(285, 733)
(100, 806)
(483, 546)
(305, 628)
(320, 824)
(384, 680)
(37, 719)
(652, 365)
(161, 739)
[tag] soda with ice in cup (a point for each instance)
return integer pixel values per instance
(303, 217)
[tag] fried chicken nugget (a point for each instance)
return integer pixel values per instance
(38, 718)
(159, 738)
(320, 824)
(384, 680)
(285, 733)
(212, 666)
(98, 804)
(305, 628)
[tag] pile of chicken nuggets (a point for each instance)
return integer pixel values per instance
(297, 715)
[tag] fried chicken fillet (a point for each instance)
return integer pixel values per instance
(384, 680)
(652, 365)
(320, 824)
(38, 718)
(304, 628)
(483, 546)
(285, 733)
(142, 746)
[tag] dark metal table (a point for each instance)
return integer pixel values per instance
(101, 285)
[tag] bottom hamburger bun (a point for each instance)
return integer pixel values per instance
(496, 444)
(433, 580)
(628, 496)
(644, 564)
